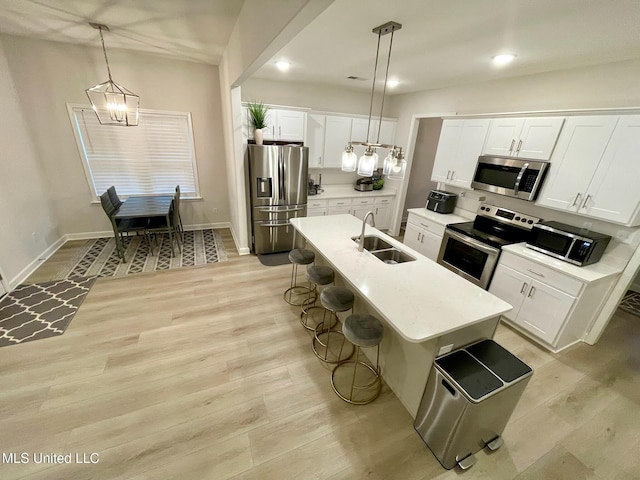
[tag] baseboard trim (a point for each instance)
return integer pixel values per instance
(33, 266)
(241, 250)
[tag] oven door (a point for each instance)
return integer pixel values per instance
(468, 257)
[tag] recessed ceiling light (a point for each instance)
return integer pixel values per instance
(503, 58)
(393, 83)
(283, 65)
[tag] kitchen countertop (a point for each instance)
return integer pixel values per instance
(421, 300)
(589, 273)
(341, 191)
(440, 218)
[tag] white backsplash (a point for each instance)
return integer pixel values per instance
(334, 176)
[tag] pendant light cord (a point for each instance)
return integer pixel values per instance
(105, 54)
(373, 87)
(384, 89)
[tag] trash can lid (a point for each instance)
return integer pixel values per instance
(499, 360)
(473, 377)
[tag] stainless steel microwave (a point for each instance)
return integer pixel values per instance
(568, 243)
(513, 177)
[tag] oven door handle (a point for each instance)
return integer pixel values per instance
(474, 243)
(516, 187)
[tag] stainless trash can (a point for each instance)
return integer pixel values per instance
(469, 397)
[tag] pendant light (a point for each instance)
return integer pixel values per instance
(394, 164)
(113, 104)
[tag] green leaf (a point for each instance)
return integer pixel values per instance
(258, 114)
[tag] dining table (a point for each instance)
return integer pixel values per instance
(148, 206)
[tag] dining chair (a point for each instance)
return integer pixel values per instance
(115, 199)
(159, 225)
(176, 199)
(120, 227)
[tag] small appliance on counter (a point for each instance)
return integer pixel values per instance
(364, 184)
(571, 244)
(315, 187)
(440, 201)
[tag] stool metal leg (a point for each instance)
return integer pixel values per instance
(376, 382)
(295, 289)
(328, 330)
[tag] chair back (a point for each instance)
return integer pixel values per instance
(113, 195)
(107, 205)
(176, 206)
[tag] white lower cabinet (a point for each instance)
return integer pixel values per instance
(551, 307)
(537, 307)
(357, 206)
(423, 236)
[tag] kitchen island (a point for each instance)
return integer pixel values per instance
(427, 310)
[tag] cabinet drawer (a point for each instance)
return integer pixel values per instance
(316, 203)
(542, 273)
(339, 202)
(338, 210)
(427, 225)
(362, 201)
(384, 200)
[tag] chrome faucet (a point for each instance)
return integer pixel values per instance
(364, 223)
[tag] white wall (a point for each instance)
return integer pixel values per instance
(423, 157)
(26, 206)
(47, 76)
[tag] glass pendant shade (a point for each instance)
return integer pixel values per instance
(376, 160)
(114, 104)
(349, 160)
(367, 163)
(398, 168)
(388, 160)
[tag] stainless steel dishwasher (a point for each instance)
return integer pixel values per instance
(469, 397)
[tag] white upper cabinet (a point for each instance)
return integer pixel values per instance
(282, 125)
(533, 137)
(594, 170)
(315, 139)
(459, 146)
(337, 133)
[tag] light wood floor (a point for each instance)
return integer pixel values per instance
(205, 373)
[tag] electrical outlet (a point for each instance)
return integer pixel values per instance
(587, 225)
(445, 349)
(34, 236)
(215, 210)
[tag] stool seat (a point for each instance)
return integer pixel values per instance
(363, 330)
(320, 275)
(301, 256)
(337, 299)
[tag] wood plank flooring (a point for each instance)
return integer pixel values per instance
(206, 373)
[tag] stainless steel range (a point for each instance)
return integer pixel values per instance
(472, 249)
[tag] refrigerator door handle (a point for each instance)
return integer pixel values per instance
(275, 224)
(284, 178)
(272, 210)
(280, 177)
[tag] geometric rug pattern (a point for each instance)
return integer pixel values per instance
(631, 303)
(41, 310)
(99, 257)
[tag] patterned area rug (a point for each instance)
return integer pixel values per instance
(631, 303)
(41, 310)
(99, 256)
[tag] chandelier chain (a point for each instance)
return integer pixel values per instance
(373, 87)
(105, 54)
(384, 88)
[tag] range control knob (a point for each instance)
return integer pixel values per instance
(524, 220)
(517, 218)
(530, 222)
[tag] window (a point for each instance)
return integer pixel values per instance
(149, 159)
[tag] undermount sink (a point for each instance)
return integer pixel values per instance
(392, 256)
(373, 242)
(383, 250)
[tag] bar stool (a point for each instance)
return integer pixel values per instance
(317, 275)
(363, 331)
(298, 256)
(334, 300)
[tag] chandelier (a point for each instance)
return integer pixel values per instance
(113, 104)
(394, 164)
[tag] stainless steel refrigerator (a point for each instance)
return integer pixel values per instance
(278, 192)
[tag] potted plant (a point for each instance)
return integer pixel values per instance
(258, 118)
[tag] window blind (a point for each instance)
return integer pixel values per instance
(149, 159)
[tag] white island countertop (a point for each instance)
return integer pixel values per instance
(420, 299)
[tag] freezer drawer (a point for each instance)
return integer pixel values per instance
(272, 232)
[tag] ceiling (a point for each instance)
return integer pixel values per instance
(442, 42)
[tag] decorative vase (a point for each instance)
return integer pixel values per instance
(258, 136)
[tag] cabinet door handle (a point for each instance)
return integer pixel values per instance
(279, 132)
(586, 200)
(535, 273)
(376, 211)
(425, 226)
(531, 291)
(422, 239)
(448, 173)
(576, 200)
(513, 142)
(452, 174)
(524, 287)
(273, 130)
(519, 145)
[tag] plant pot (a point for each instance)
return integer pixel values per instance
(258, 136)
